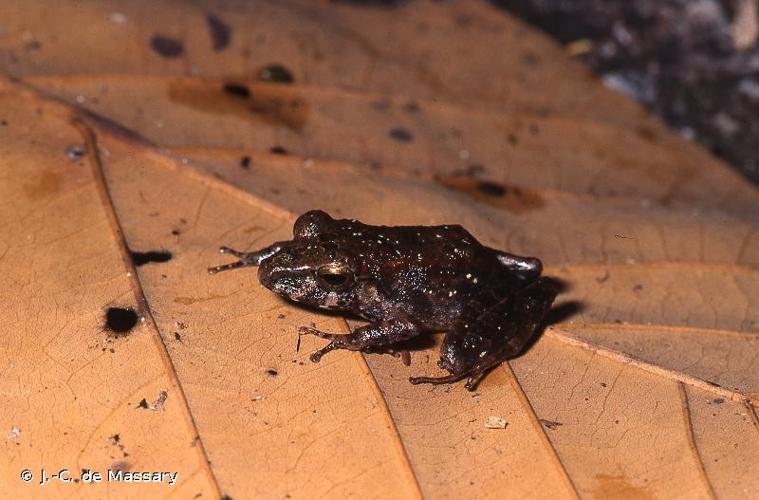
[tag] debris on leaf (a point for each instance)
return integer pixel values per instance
(495, 423)
(550, 424)
(157, 405)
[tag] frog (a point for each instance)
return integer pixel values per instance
(406, 281)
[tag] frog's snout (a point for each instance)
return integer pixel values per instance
(270, 274)
(278, 275)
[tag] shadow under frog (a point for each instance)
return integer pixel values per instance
(409, 280)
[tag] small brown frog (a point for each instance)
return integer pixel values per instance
(405, 281)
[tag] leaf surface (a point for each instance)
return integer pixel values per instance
(644, 385)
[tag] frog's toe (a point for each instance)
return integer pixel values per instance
(308, 330)
(317, 355)
(436, 380)
(474, 380)
(232, 251)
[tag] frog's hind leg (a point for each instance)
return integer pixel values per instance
(491, 337)
(246, 258)
(472, 378)
(511, 325)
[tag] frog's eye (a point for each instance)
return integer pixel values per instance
(335, 276)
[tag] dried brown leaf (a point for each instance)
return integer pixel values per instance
(646, 387)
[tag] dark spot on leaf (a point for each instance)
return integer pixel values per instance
(275, 73)
(406, 358)
(166, 46)
(143, 404)
(718, 401)
(530, 59)
(220, 32)
(513, 139)
(381, 105)
(76, 152)
(401, 134)
(43, 185)
(4, 123)
(274, 104)
(115, 438)
(411, 107)
(516, 199)
(120, 320)
(120, 466)
(475, 169)
(278, 150)
(271, 372)
(245, 162)
(463, 20)
(646, 133)
(237, 90)
(603, 384)
(32, 45)
(491, 188)
(177, 336)
(175, 232)
(142, 258)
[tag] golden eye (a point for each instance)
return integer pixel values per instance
(335, 276)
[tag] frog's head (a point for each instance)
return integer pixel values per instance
(313, 272)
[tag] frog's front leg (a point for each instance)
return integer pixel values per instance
(364, 338)
(247, 258)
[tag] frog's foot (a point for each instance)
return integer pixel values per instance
(231, 265)
(337, 342)
(232, 251)
(316, 356)
(246, 258)
(472, 379)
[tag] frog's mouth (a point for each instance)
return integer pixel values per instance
(294, 284)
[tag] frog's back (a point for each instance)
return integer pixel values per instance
(403, 235)
(442, 253)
